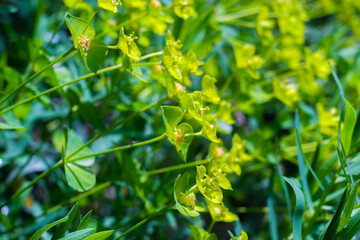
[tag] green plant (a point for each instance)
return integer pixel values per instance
(242, 91)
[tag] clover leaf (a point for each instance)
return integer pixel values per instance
(77, 173)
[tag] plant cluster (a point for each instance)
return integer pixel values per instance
(246, 93)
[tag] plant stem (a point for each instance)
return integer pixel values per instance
(112, 47)
(32, 183)
(193, 134)
(60, 86)
(146, 64)
(237, 15)
(91, 19)
(94, 190)
(151, 55)
(58, 164)
(211, 225)
(120, 122)
(18, 88)
(145, 220)
(156, 139)
(177, 167)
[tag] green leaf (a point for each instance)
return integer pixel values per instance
(100, 235)
(72, 145)
(128, 46)
(349, 206)
(349, 124)
(79, 178)
(182, 142)
(207, 186)
(351, 228)
(61, 229)
(85, 221)
(185, 205)
(330, 231)
(78, 235)
(208, 89)
(220, 213)
(40, 232)
(198, 233)
(196, 107)
(6, 126)
(172, 116)
(209, 129)
(77, 28)
(96, 55)
(110, 5)
(299, 209)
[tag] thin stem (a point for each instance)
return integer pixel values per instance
(32, 183)
(18, 88)
(120, 122)
(112, 47)
(145, 220)
(211, 225)
(60, 86)
(92, 191)
(151, 55)
(156, 139)
(146, 64)
(91, 19)
(237, 15)
(177, 167)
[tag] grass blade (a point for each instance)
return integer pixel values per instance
(299, 208)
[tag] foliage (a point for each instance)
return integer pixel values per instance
(200, 119)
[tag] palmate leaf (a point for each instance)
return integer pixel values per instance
(77, 175)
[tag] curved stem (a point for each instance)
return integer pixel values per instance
(145, 220)
(151, 55)
(156, 139)
(33, 182)
(147, 64)
(60, 86)
(91, 19)
(120, 122)
(177, 167)
(18, 88)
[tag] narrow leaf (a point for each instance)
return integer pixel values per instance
(299, 209)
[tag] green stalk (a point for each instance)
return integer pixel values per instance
(147, 64)
(91, 19)
(211, 225)
(120, 122)
(60, 86)
(237, 15)
(156, 139)
(32, 183)
(18, 88)
(177, 167)
(151, 55)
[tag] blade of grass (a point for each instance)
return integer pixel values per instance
(286, 190)
(301, 165)
(299, 209)
(271, 205)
